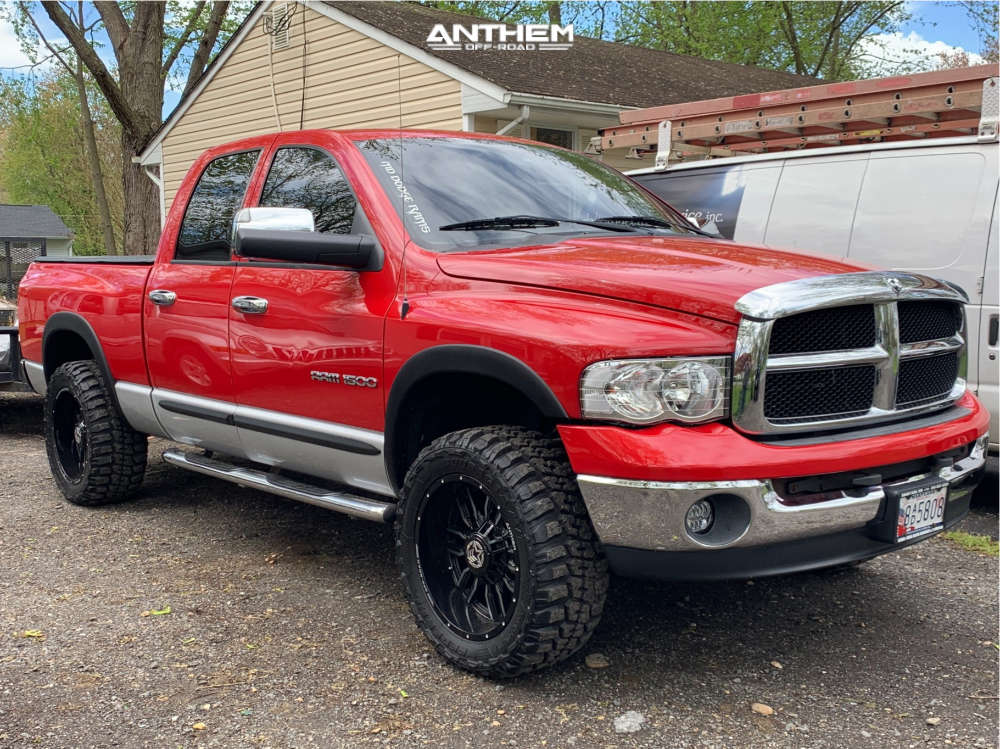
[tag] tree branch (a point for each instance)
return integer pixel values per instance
(179, 45)
(200, 60)
(835, 24)
(115, 23)
(849, 48)
(23, 7)
(105, 81)
(793, 40)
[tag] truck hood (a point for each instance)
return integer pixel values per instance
(698, 276)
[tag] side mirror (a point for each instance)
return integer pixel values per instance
(345, 250)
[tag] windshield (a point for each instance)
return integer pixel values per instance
(457, 182)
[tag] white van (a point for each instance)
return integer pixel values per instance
(928, 207)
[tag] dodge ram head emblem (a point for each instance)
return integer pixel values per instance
(895, 284)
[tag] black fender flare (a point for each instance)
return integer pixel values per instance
(464, 359)
(73, 323)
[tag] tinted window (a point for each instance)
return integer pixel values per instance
(709, 198)
(218, 195)
(436, 181)
(308, 178)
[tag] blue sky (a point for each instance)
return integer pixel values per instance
(942, 21)
(935, 26)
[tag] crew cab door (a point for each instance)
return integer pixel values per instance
(307, 360)
(186, 309)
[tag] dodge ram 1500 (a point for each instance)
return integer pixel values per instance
(538, 370)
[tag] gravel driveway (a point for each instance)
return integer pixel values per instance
(204, 614)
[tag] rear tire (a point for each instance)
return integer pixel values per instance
(96, 457)
(501, 567)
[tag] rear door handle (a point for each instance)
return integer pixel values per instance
(994, 329)
(162, 297)
(250, 305)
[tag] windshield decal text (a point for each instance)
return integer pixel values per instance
(410, 207)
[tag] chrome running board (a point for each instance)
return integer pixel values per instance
(349, 504)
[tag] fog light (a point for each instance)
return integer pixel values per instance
(699, 517)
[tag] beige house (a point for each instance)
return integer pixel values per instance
(307, 64)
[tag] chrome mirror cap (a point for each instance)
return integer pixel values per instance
(273, 219)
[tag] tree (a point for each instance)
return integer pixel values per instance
(984, 17)
(73, 65)
(821, 39)
(134, 89)
(40, 164)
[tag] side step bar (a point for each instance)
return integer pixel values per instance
(349, 504)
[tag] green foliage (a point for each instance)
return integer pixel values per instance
(42, 159)
(810, 38)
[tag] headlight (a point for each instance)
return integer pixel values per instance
(645, 391)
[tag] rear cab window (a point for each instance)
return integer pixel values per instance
(208, 219)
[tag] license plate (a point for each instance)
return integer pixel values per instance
(921, 511)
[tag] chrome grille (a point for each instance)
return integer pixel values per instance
(812, 394)
(926, 380)
(824, 330)
(927, 321)
(838, 351)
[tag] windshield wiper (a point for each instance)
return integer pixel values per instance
(525, 222)
(653, 221)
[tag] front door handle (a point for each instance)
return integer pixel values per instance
(162, 297)
(250, 305)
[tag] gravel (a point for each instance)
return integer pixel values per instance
(203, 614)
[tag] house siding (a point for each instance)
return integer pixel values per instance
(349, 81)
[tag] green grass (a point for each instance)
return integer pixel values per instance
(973, 542)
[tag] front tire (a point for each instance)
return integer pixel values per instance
(502, 571)
(96, 457)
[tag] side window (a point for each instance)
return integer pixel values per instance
(218, 195)
(309, 178)
(709, 197)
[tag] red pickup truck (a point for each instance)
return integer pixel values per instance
(536, 368)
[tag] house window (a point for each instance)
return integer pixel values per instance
(278, 25)
(561, 138)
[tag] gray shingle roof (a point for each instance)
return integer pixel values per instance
(590, 70)
(30, 221)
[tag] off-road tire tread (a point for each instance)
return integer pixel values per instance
(571, 573)
(117, 451)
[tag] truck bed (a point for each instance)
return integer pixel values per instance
(107, 292)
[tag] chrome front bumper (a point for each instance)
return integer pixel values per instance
(650, 514)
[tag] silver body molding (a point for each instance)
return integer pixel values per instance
(882, 289)
(650, 514)
(34, 373)
(136, 403)
(212, 424)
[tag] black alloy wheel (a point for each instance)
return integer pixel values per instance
(473, 577)
(501, 567)
(72, 439)
(96, 457)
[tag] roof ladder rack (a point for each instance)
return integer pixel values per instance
(942, 103)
